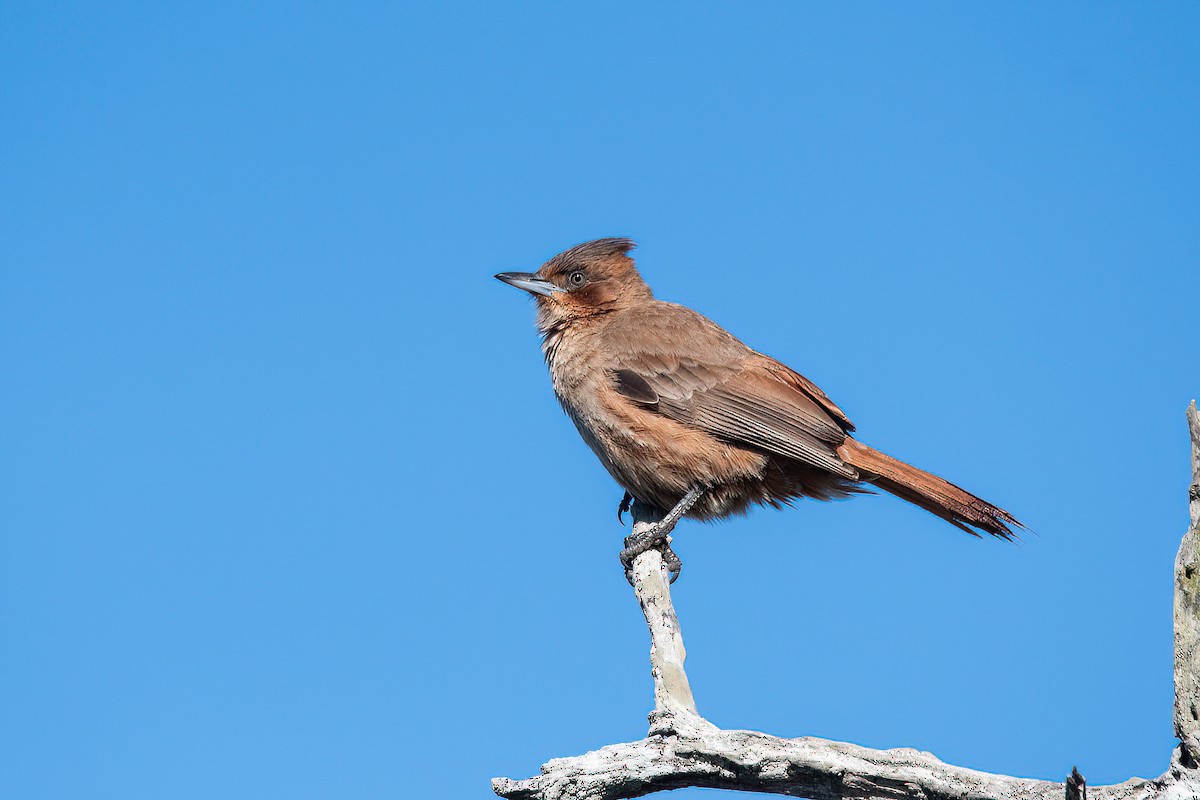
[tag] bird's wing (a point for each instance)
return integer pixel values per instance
(687, 368)
(789, 375)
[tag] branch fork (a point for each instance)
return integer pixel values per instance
(683, 749)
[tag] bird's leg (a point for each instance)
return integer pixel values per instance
(626, 502)
(659, 535)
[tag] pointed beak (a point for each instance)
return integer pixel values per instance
(529, 282)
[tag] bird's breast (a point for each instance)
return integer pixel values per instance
(656, 458)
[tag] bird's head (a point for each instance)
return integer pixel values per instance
(590, 278)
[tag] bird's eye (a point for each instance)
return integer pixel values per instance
(575, 279)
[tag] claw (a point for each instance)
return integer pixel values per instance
(673, 563)
(626, 504)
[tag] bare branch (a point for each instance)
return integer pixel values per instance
(672, 692)
(683, 749)
(704, 756)
(1187, 613)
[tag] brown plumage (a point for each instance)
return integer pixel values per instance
(670, 401)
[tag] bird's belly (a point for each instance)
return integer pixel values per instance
(659, 460)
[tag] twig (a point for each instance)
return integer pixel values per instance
(1076, 785)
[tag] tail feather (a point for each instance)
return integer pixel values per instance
(924, 489)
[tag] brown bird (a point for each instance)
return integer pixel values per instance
(687, 418)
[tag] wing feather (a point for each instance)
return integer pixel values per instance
(695, 373)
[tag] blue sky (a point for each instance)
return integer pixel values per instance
(288, 506)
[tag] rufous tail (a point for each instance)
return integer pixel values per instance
(936, 495)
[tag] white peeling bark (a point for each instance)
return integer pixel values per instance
(683, 749)
(672, 692)
(694, 753)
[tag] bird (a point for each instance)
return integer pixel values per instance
(690, 421)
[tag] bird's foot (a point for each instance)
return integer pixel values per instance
(658, 535)
(626, 504)
(650, 539)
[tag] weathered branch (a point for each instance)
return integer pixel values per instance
(683, 749)
(700, 755)
(1187, 614)
(672, 692)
